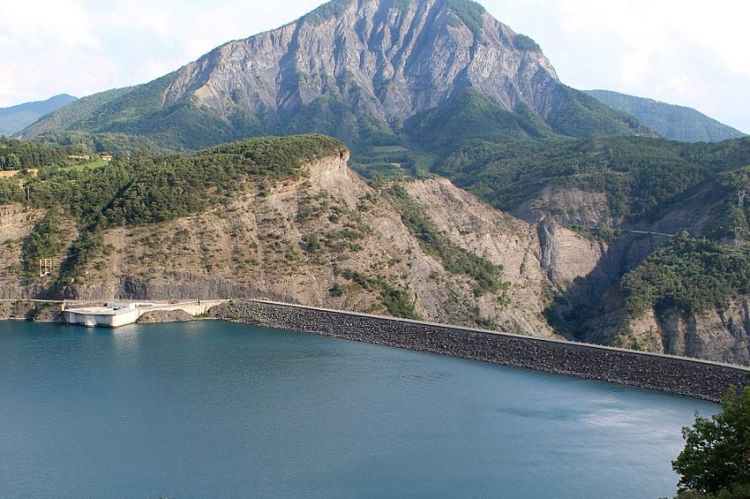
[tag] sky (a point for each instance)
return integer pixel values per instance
(687, 52)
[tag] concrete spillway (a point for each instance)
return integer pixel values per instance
(122, 314)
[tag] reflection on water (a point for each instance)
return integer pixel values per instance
(215, 409)
(124, 340)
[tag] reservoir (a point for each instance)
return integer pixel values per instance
(212, 409)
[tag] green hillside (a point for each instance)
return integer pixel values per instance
(16, 118)
(135, 116)
(470, 117)
(638, 174)
(689, 274)
(670, 121)
(576, 114)
(18, 155)
(147, 189)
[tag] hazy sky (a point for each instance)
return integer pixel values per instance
(689, 52)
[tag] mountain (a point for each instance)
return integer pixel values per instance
(365, 71)
(281, 218)
(16, 118)
(670, 121)
(582, 249)
(669, 220)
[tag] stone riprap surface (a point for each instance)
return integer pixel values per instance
(688, 377)
(165, 316)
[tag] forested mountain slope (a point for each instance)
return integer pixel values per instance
(671, 122)
(15, 118)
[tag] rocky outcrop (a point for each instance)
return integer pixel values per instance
(500, 238)
(165, 316)
(719, 333)
(29, 310)
(571, 207)
(566, 256)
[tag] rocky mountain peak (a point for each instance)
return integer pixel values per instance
(388, 59)
(355, 69)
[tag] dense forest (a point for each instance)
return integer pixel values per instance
(638, 174)
(691, 275)
(118, 144)
(670, 121)
(19, 155)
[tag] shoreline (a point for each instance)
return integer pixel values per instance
(697, 378)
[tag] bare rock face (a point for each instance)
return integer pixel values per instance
(719, 333)
(388, 59)
(569, 206)
(566, 256)
(498, 237)
(29, 310)
(165, 316)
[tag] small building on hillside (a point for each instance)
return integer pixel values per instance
(45, 267)
(106, 156)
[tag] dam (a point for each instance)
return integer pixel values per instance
(677, 375)
(121, 314)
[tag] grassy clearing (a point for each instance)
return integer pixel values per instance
(89, 165)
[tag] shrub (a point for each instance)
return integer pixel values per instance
(523, 42)
(689, 274)
(716, 459)
(456, 260)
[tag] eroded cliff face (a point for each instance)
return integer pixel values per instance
(16, 223)
(719, 333)
(569, 206)
(328, 239)
(593, 309)
(500, 238)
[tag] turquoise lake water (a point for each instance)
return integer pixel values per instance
(212, 409)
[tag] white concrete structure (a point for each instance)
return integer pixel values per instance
(121, 314)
